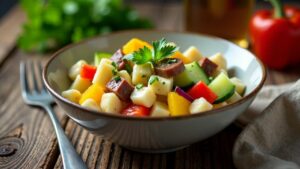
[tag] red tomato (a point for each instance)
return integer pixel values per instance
(88, 71)
(201, 90)
(136, 110)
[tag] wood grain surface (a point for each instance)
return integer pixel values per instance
(10, 27)
(27, 139)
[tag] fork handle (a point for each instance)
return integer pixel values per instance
(71, 159)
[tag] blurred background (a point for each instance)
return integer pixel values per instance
(5, 5)
(51, 24)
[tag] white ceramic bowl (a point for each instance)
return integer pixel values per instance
(155, 134)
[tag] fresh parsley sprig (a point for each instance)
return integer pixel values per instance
(161, 49)
(141, 56)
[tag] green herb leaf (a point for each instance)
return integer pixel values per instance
(162, 49)
(142, 56)
(153, 79)
(114, 65)
(139, 86)
(114, 72)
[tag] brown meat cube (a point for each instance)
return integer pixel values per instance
(120, 87)
(117, 57)
(169, 67)
(208, 66)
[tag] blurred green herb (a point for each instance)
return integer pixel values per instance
(55, 23)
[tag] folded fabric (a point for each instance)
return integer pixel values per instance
(272, 140)
(263, 99)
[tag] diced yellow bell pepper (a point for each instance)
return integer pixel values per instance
(180, 56)
(178, 105)
(94, 92)
(133, 45)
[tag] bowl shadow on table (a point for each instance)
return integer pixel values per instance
(213, 152)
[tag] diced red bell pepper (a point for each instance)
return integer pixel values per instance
(88, 71)
(136, 110)
(201, 90)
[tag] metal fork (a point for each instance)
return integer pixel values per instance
(41, 98)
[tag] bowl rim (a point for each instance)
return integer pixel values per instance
(122, 117)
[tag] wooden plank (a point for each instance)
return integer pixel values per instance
(26, 129)
(10, 27)
(147, 161)
(136, 160)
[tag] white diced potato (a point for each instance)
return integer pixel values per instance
(193, 54)
(239, 85)
(141, 73)
(80, 84)
(222, 104)
(75, 69)
(91, 104)
(125, 75)
(106, 60)
(144, 96)
(234, 98)
(72, 95)
(200, 105)
(103, 73)
(110, 103)
(161, 85)
(159, 109)
(219, 59)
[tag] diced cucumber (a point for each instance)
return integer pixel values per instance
(99, 56)
(183, 80)
(192, 74)
(197, 73)
(222, 87)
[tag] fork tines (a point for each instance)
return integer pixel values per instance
(31, 76)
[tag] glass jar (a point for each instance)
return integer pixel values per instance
(224, 18)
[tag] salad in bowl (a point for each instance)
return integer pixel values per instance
(153, 80)
(153, 94)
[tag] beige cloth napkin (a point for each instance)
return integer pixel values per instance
(272, 140)
(262, 101)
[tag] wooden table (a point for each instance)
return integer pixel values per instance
(27, 139)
